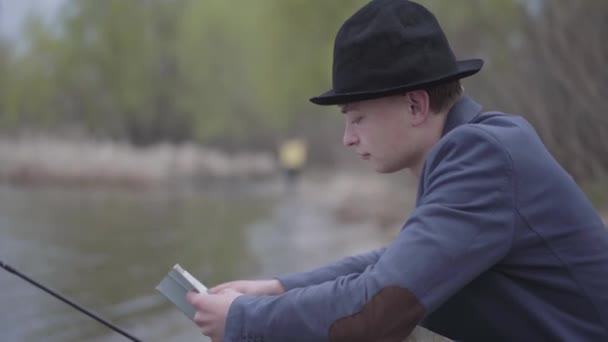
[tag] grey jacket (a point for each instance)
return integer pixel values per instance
(502, 245)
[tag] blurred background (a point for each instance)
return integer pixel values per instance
(136, 134)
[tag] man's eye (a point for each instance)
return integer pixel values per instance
(357, 120)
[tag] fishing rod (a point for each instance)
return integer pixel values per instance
(69, 302)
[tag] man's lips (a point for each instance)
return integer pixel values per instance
(364, 155)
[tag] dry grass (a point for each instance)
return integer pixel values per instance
(40, 160)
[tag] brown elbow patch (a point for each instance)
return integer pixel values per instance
(390, 316)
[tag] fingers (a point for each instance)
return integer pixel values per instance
(221, 287)
(227, 291)
(206, 324)
(198, 319)
(209, 315)
(203, 321)
(192, 297)
(197, 299)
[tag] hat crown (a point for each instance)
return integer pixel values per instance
(389, 43)
(389, 47)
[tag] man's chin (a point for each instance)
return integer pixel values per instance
(386, 168)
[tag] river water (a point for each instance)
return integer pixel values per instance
(108, 249)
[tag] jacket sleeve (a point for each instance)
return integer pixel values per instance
(462, 226)
(345, 266)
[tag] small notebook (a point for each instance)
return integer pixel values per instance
(176, 284)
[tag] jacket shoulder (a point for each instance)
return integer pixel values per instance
(472, 140)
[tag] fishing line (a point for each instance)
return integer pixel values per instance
(69, 302)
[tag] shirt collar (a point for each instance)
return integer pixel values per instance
(462, 112)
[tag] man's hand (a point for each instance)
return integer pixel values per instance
(270, 287)
(211, 311)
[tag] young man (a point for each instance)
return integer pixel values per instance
(502, 244)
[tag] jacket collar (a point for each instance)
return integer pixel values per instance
(462, 112)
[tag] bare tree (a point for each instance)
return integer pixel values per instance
(562, 83)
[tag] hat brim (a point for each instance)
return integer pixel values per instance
(464, 69)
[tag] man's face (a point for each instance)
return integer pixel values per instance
(381, 132)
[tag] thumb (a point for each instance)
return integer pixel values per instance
(219, 288)
(191, 297)
(229, 291)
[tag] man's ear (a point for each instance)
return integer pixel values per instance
(419, 106)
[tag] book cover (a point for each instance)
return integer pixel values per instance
(176, 284)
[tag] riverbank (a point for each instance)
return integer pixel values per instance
(86, 163)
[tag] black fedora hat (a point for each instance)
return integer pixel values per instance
(388, 47)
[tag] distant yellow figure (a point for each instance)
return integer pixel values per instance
(292, 156)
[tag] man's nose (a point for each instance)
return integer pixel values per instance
(350, 138)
